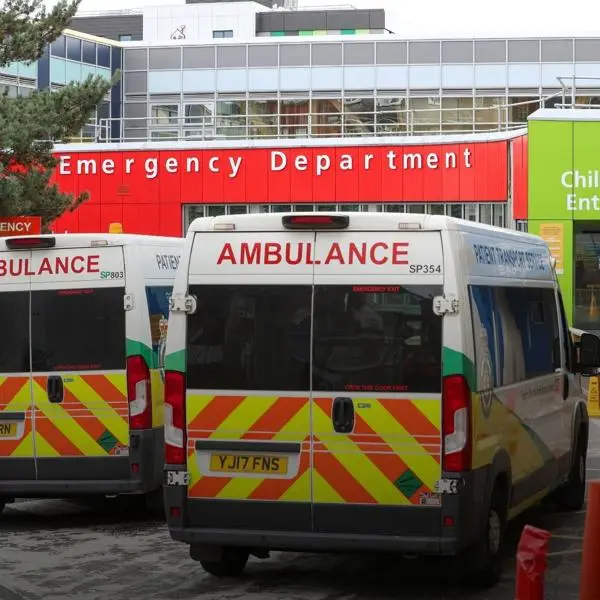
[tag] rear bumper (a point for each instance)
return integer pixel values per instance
(426, 530)
(140, 472)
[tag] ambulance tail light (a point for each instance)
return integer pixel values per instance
(139, 393)
(315, 221)
(456, 424)
(28, 243)
(175, 433)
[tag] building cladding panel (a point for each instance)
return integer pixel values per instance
(320, 20)
(267, 3)
(111, 27)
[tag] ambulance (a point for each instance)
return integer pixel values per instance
(354, 382)
(84, 324)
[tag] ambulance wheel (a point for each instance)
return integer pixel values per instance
(571, 496)
(481, 565)
(231, 563)
(2, 506)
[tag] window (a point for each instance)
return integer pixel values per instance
(14, 321)
(249, 338)
(158, 309)
(76, 330)
(259, 338)
(515, 332)
(125, 37)
(223, 33)
(164, 114)
(384, 340)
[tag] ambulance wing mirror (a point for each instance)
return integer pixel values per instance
(589, 354)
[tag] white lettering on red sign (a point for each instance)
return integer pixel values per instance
(279, 161)
(302, 253)
(15, 226)
(66, 265)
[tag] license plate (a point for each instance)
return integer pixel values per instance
(240, 463)
(8, 430)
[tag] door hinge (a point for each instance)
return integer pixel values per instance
(178, 478)
(445, 305)
(183, 303)
(128, 302)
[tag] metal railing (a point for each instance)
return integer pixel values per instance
(387, 121)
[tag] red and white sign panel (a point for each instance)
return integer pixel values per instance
(15, 226)
(470, 172)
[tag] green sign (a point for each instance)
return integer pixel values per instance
(564, 166)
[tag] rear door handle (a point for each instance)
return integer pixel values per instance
(56, 389)
(342, 415)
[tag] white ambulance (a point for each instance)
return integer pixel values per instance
(84, 323)
(367, 382)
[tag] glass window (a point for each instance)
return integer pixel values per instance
(199, 58)
(190, 213)
(326, 117)
(136, 59)
(523, 51)
(223, 33)
(73, 49)
(59, 47)
(383, 340)
(250, 338)
(423, 53)
(359, 116)
(165, 58)
(232, 118)
(59, 316)
(391, 115)
(455, 52)
(281, 208)
(359, 53)
(587, 50)
(521, 107)
(515, 332)
(158, 310)
(392, 53)
(164, 114)
(326, 54)
(457, 114)
(88, 52)
(489, 112)
(555, 51)
(294, 55)
(216, 210)
(14, 323)
(454, 210)
(490, 51)
(262, 118)
(425, 114)
(294, 117)
(125, 37)
(499, 212)
(104, 56)
(262, 56)
(587, 277)
(231, 56)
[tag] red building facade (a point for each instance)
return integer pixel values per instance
(155, 188)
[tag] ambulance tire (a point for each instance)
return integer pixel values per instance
(2, 506)
(481, 565)
(232, 563)
(571, 496)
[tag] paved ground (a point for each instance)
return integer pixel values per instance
(68, 550)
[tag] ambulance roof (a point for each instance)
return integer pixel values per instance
(78, 240)
(361, 222)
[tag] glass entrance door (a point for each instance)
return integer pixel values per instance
(587, 277)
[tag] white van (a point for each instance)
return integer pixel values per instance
(84, 322)
(367, 382)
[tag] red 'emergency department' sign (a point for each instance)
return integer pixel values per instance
(14, 226)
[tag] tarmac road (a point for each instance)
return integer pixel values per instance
(74, 550)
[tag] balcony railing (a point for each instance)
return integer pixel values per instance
(386, 121)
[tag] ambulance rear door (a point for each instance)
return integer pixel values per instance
(78, 347)
(248, 379)
(17, 443)
(376, 385)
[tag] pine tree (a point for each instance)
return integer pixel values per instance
(29, 125)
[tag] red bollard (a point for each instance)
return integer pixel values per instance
(590, 564)
(532, 556)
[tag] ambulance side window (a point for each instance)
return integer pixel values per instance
(14, 324)
(157, 297)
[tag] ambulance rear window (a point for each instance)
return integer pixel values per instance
(78, 330)
(14, 325)
(361, 339)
